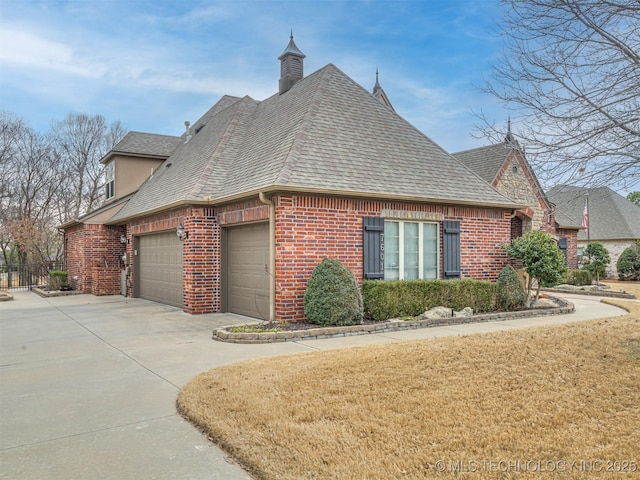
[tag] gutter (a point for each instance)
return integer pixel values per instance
(272, 254)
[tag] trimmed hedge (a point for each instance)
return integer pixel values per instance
(408, 298)
(579, 277)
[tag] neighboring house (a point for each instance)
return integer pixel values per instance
(614, 221)
(506, 168)
(234, 215)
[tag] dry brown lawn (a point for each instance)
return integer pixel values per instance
(518, 404)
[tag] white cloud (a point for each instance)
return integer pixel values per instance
(27, 49)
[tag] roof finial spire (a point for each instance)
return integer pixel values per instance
(509, 138)
(291, 37)
(377, 86)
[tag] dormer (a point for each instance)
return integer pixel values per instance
(133, 160)
(291, 66)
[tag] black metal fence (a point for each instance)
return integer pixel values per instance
(25, 277)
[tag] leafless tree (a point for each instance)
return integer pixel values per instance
(48, 179)
(80, 142)
(31, 178)
(570, 73)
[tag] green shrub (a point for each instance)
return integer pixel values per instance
(628, 265)
(597, 259)
(332, 296)
(510, 294)
(579, 277)
(408, 298)
(57, 279)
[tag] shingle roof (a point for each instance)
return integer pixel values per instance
(611, 216)
(145, 144)
(487, 161)
(327, 134)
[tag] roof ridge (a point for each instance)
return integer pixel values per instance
(236, 122)
(305, 126)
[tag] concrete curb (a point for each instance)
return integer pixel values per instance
(392, 325)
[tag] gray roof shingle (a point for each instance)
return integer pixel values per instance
(611, 216)
(326, 134)
(487, 161)
(145, 144)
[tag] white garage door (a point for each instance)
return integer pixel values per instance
(247, 288)
(160, 268)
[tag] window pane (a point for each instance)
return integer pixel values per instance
(430, 251)
(411, 251)
(391, 251)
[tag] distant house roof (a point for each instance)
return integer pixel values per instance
(145, 145)
(611, 216)
(326, 135)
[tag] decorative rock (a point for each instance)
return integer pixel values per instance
(438, 312)
(444, 312)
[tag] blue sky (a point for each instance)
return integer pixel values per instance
(153, 64)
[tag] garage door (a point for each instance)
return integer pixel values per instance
(160, 268)
(247, 280)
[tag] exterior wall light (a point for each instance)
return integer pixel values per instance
(123, 238)
(181, 233)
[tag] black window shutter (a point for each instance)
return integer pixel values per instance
(451, 249)
(562, 243)
(373, 246)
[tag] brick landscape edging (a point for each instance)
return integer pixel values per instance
(595, 293)
(393, 325)
(57, 293)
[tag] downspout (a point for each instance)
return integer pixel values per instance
(272, 255)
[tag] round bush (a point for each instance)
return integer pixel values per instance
(510, 293)
(628, 265)
(333, 296)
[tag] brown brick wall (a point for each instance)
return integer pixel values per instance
(310, 229)
(572, 246)
(201, 260)
(90, 248)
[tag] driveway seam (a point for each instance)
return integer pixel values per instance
(133, 359)
(89, 432)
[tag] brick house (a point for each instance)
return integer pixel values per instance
(614, 221)
(234, 215)
(505, 167)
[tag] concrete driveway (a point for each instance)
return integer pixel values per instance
(88, 384)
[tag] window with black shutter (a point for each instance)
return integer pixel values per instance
(373, 247)
(562, 243)
(451, 249)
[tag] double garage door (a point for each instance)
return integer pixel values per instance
(245, 277)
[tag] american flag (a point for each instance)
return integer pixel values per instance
(585, 215)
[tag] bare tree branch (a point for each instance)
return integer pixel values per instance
(570, 73)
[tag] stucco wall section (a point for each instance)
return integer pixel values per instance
(615, 248)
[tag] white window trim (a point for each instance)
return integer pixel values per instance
(420, 247)
(110, 177)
